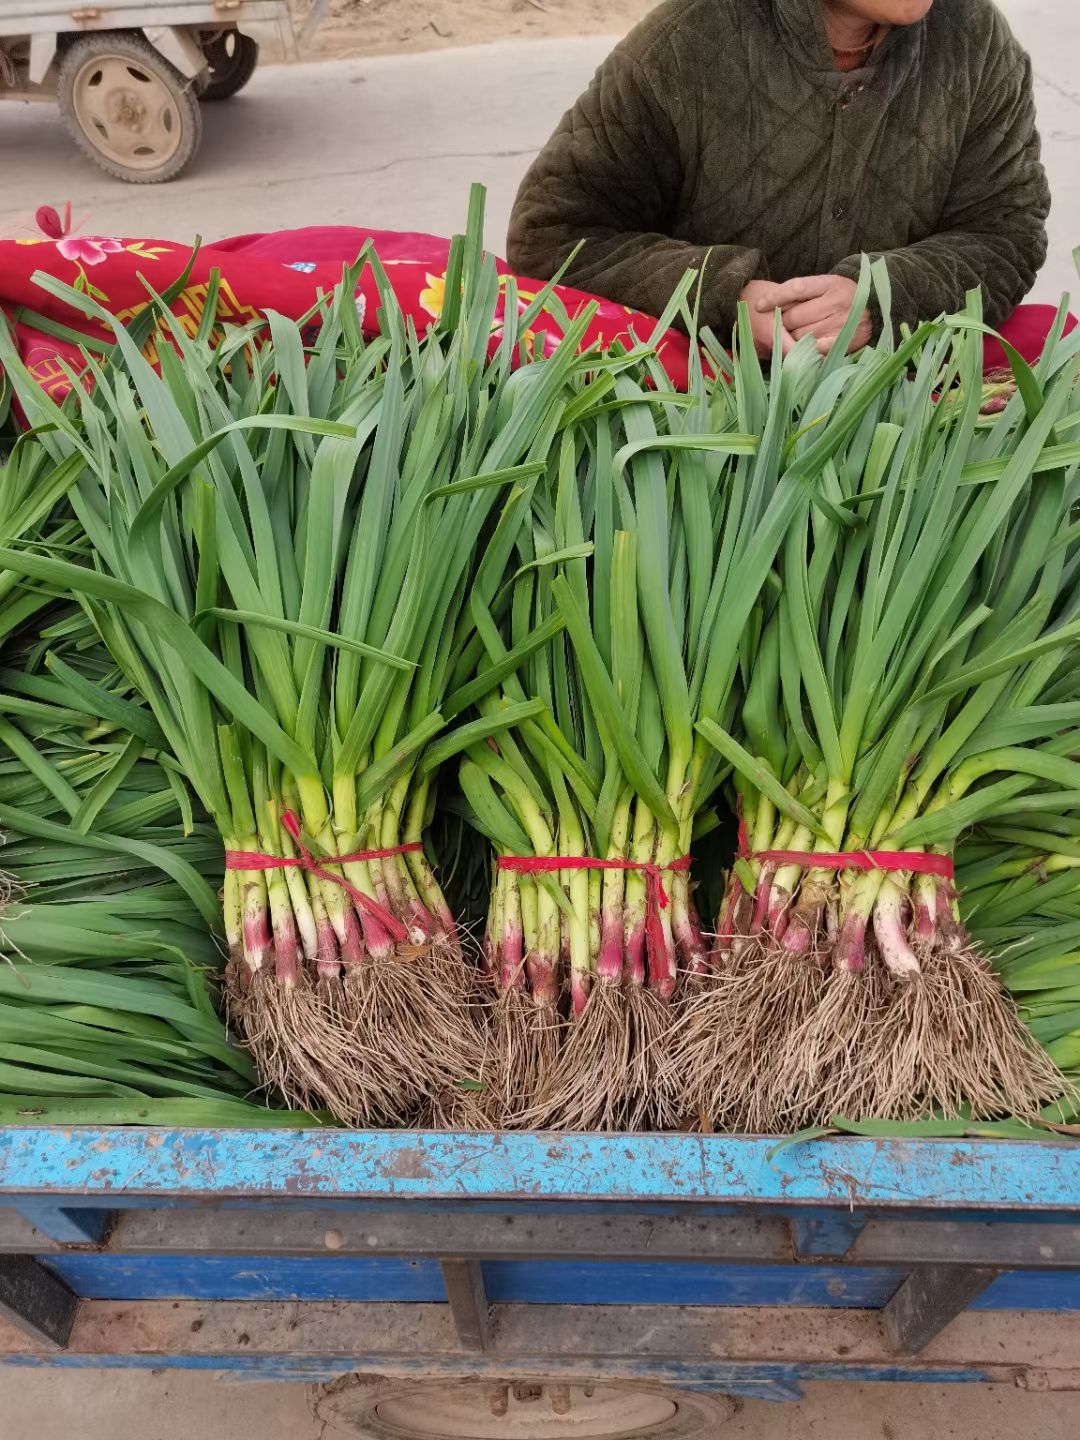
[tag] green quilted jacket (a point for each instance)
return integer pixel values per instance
(720, 134)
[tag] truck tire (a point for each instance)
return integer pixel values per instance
(379, 1409)
(127, 108)
(232, 58)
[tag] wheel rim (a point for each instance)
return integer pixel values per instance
(225, 56)
(225, 53)
(127, 112)
(523, 1411)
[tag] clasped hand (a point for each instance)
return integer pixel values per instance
(816, 305)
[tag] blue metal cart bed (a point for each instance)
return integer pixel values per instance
(704, 1263)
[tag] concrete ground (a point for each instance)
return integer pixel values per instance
(393, 142)
(172, 1405)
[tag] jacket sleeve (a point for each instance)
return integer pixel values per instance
(993, 229)
(611, 177)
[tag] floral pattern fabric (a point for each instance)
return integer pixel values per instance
(283, 271)
(286, 271)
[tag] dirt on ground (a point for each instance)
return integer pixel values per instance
(380, 27)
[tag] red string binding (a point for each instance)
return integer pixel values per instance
(916, 861)
(255, 860)
(656, 897)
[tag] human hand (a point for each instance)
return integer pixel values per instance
(761, 301)
(819, 305)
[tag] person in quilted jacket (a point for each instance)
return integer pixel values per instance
(770, 143)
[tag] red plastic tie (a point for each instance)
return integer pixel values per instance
(917, 861)
(255, 860)
(656, 897)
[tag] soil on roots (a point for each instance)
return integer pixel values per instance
(823, 1068)
(382, 1047)
(734, 1031)
(306, 1047)
(472, 1103)
(653, 1098)
(951, 1042)
(467, 1105)
(588, 1088)
(948, 1042)
(524, 1041)
(416, 1013)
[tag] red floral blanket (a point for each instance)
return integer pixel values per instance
(285, 271)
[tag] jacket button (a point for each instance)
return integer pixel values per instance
(839, 212)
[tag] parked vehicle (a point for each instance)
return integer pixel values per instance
(130, 77)
(516, 1285)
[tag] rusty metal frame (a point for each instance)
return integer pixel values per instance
(951, 1216)
(738, 1350)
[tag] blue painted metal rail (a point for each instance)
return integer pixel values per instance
(514, 1255)
(111, 1167)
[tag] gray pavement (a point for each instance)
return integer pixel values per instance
(393, 142)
